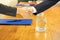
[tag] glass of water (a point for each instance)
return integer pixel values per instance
(40, 23)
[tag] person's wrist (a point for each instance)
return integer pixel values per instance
(17, 10)
(34, 10)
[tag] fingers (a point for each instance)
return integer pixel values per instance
(25, 11)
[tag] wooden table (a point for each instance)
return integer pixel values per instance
(27, 32)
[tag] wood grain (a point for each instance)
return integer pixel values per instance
(27, 32)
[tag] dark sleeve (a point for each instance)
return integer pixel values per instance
(44, 5)
(7, 10)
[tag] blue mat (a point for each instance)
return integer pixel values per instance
(16, 21)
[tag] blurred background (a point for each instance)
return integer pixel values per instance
(14, 2)
(28, 32)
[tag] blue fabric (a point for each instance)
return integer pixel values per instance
(16, 21)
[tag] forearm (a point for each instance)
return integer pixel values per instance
(44, 6)
(7, 10)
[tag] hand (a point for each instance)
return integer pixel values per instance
(25, 11)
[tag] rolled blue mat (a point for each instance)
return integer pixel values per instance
(16, 21)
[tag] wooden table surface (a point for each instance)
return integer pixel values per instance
(27, 32)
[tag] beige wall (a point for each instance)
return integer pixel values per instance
(9, 2)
